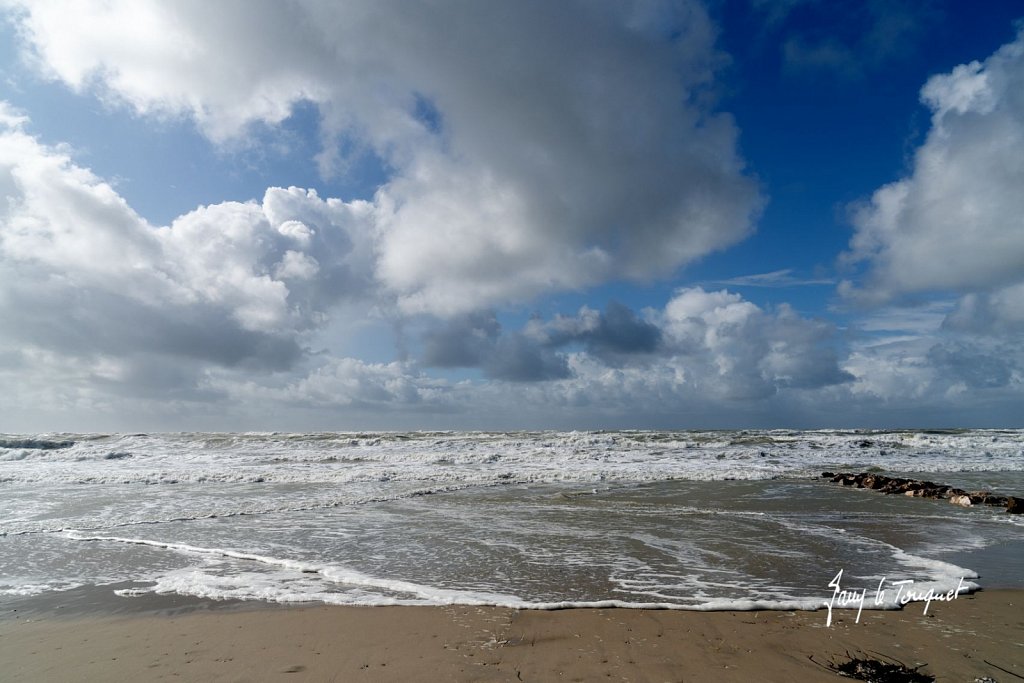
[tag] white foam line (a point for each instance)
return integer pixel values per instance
(947, 569)
(442, 596)
(333, 573)
(196, 550)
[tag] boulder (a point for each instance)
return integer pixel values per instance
(916, 488)
(895, 485)
(875, 481)
(978, 497)
(925, 492)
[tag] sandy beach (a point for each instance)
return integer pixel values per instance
(973, 636)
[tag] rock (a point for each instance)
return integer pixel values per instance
(924, 492)
(895, 485)
(875, 481)
(916, 488)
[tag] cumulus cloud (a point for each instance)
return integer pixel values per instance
(716, 358)
(476, 341)
(231, 295)
(712, 344)
(957, 222)
(923, 374)
(232, 284)
(731, 348)
(975, 369)
(556, 146)
(350, 382)
(534, 146)
(518, 359)
(614, 335)
(942, 252)
(999, 312)
(461, 342)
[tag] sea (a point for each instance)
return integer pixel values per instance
(702, 520)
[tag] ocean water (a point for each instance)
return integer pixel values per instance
(689, 520)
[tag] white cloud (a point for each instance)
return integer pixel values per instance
(351, 383)
(893, 370)
(11, 117)
(943, 250)
(957, 222)
(575, 162)
(165, 59)
(731, 348)
(709, 352)
(921, 374)
(535, 146)
(999, 312)
(83, 277)
(709, 345)
(296, 266)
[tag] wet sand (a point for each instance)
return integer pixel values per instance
(193, 640)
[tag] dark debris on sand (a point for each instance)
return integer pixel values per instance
(877, 671)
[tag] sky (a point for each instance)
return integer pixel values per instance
(511, 215)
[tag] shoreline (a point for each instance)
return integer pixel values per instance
(981, 634)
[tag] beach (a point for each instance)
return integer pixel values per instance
(972, 636)
(657, 556)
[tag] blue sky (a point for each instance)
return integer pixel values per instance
(576, 215)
